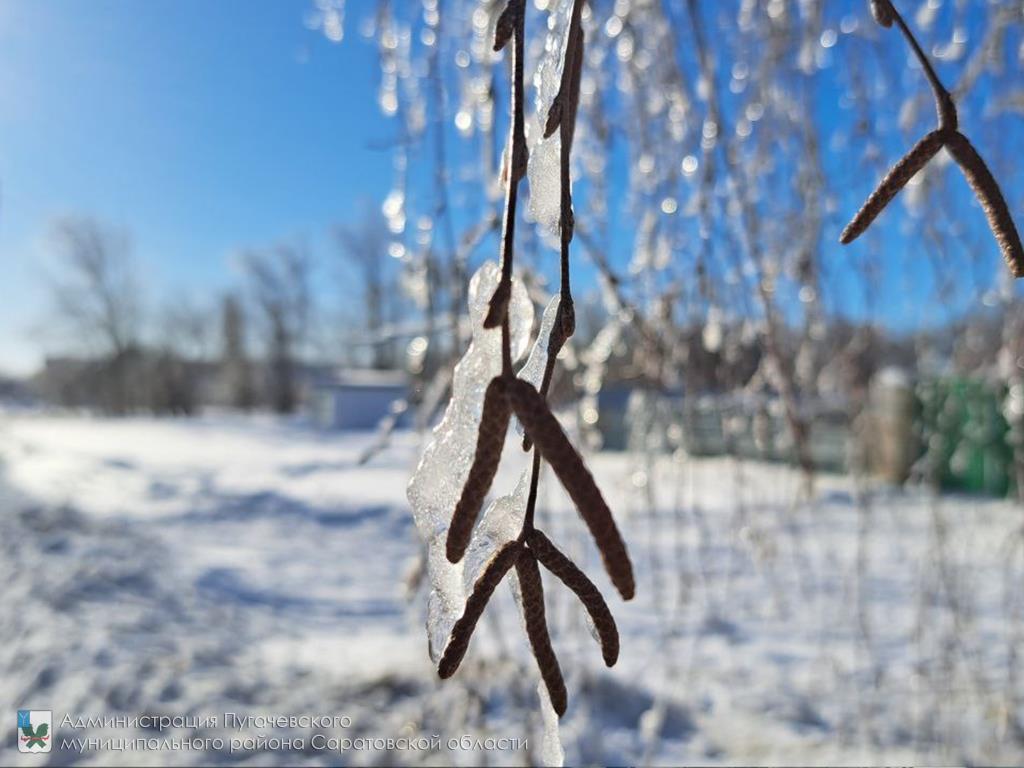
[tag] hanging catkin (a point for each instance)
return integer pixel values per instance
(506, 394)
(484, 587)
(532, 592)
(489, 442)
(554, 446)
(985, 187)
(894, 181)
(991, 198)
(565, 569)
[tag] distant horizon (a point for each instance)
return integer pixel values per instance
(895, 335)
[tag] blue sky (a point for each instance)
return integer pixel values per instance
(205, 126)
(200, 127)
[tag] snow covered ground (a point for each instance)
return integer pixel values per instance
(249, 565)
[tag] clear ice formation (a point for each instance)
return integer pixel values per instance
(533, 370)
(543, 170)
(437, 482)
(503, 518)
(551, 752)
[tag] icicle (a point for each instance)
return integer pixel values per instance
(551, 752)
(543, 169)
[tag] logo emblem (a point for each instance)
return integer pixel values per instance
(34, 730)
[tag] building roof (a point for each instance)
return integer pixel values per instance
(365, 377)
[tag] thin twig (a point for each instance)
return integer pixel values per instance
(944, 105)
(985, 187)
(497, 313)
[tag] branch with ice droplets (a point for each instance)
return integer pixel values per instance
(562, 117)
(984, 185)
(510, 27)
(507, 394)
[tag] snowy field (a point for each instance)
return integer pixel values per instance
(195, 568)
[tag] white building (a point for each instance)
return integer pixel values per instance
(357, 399)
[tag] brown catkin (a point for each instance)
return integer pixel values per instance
(991, 198)
(484, 587)
(893, 182)
(566, 101)
(532, 592)
(882, 12)
(546, 433)
(566, 570)
(505, 25)
(489, 442)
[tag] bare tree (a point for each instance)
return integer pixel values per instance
(236, 369)
(363, 248)
(181, 348)
(280, 283)
(188, 326)
(97, 301)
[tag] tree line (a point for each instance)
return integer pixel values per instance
(258, 344)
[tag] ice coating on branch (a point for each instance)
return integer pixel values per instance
(551, 752)
(533, 370)
(447, 595)
(436, 484)
(543, 170)
(543, 173)
(499, 524)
